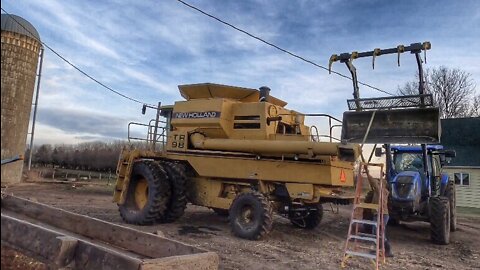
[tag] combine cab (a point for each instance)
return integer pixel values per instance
(239, 152)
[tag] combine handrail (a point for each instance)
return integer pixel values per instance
(149, 138)
(330, 118)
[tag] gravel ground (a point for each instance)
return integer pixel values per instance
(285, 247)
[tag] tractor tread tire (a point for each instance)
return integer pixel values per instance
(440, 220)
(158, 194)
(451, 195)
(178, 200)
(262, 208)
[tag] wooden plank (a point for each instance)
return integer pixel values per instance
(148, 245)
(201, 261)
(49, 245)
(58, 250)
(91, 256)
(66, 252)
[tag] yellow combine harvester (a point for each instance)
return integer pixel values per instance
(238, 151)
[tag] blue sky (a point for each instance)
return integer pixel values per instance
(146, 48)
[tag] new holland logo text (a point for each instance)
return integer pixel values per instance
(194, 115)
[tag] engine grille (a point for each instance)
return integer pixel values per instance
(403, 186)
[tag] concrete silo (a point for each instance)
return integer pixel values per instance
(20, 54)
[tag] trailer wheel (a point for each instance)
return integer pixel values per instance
(450, 193)
(251, 216)
(308, 220)
(440, 220)
(178, 200)
(147, 195)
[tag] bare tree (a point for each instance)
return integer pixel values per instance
(475, 111)
(452, 89)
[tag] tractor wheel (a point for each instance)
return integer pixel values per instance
(440, 220)
(450, 193)
(251, 216)
(147, 195)
(221, 212)
(308, 220)
(178, 200)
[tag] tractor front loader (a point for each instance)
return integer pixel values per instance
(239, 152)
(423, 193)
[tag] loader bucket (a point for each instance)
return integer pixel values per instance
(414, 126)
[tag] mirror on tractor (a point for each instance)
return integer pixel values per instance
(450, 153)
(378, 151)
(446, 156)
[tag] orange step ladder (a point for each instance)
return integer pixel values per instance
(363, 244)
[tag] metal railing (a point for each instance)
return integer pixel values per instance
(331, 125)
(155, 134)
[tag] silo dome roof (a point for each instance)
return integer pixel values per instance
(11, 23)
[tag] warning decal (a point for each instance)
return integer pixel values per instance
(343, 178)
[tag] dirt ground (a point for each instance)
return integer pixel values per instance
(286, 247)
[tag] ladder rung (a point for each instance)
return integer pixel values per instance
(360, 254)
(367, 235)
(363, 238)
(373, 206)
(363, 221)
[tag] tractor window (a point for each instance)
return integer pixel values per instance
(408, 162)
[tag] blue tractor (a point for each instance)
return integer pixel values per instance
(419, 190)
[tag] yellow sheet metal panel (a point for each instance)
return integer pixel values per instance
(211, 90)
(248, 168)
(300, 191)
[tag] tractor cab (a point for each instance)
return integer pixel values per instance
(413, 177)
(409, 173)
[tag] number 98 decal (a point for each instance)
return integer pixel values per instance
(178, 141)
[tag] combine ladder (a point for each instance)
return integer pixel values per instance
(363, 244)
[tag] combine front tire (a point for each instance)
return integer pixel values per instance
(440, 220)
(452, 198)
(178, 200)
(307, 219)
(147, 195)
(251, 216)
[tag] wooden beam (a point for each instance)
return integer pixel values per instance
(148, 245)
(49, 245)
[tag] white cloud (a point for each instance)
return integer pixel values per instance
(145, 48)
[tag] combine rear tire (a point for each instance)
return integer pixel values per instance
(178, 200)
(310, 220)
(147, 195)
(251, 216)
(440, 220)
(452, 198)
